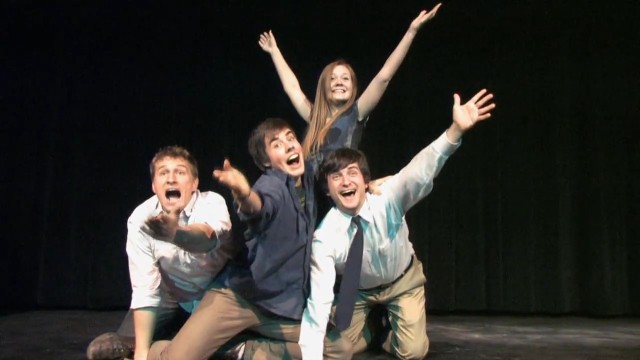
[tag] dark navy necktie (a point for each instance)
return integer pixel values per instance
(350, 278)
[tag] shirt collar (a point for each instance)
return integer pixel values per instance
(365, 212)
(284, 177)
(280, 175)
(188, 210)
(276, 173)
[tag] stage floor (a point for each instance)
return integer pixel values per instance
(65, 334)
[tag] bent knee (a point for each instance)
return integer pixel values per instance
(159, 349)
(339, 348)
(415, 350)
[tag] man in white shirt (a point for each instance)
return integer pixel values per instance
(390, 273)
(177, 242)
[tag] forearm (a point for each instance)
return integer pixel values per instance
(373, 93)
(144, 322)
(316, 314)
(397, 57)
(311, 342)
(196, 238)
(286, 75)
(290, 84)
(248, 203)
(415, 181)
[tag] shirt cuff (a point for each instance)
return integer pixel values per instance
(138, 302)
(444, 146)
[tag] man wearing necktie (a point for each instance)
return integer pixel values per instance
(365, 238)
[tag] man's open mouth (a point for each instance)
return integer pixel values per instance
(348, 193)
(172, 194)
(294, 159)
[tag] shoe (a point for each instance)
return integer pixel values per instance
(110, 346)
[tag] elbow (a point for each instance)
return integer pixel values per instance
(383, 80)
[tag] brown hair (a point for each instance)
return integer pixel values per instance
(257, 145)
(339, 159)
(320, 119)
(176, 152)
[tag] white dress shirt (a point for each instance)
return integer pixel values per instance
(387, 249)
(162, 274)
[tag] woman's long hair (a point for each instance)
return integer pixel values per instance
(320, 120)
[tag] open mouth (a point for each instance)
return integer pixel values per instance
(293, 159)
(172, 194)
(348, 193)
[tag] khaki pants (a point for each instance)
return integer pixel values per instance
(168, 323)
(405, 302)
(221, 315)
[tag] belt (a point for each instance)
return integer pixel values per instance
(384, 286)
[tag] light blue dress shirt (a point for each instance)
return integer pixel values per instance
(387, 249)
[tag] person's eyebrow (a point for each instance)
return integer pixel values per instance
(275, 137)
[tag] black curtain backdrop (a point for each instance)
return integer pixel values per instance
(537, 213)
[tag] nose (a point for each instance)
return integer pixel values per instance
(171, 178)
(290, 146)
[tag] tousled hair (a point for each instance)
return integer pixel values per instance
(339, 159)
(257, 145)
(320, 119)
(176, 152)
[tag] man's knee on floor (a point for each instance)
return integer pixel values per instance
(413, 350)
(338, 346)
(157, 350)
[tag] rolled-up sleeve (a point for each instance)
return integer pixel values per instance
(213, 211)
(144, 270)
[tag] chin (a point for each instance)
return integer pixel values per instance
(296, 172)
(347, 209)
(340, 100)
(171, 205)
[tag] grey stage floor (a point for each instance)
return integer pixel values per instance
(65, 335)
